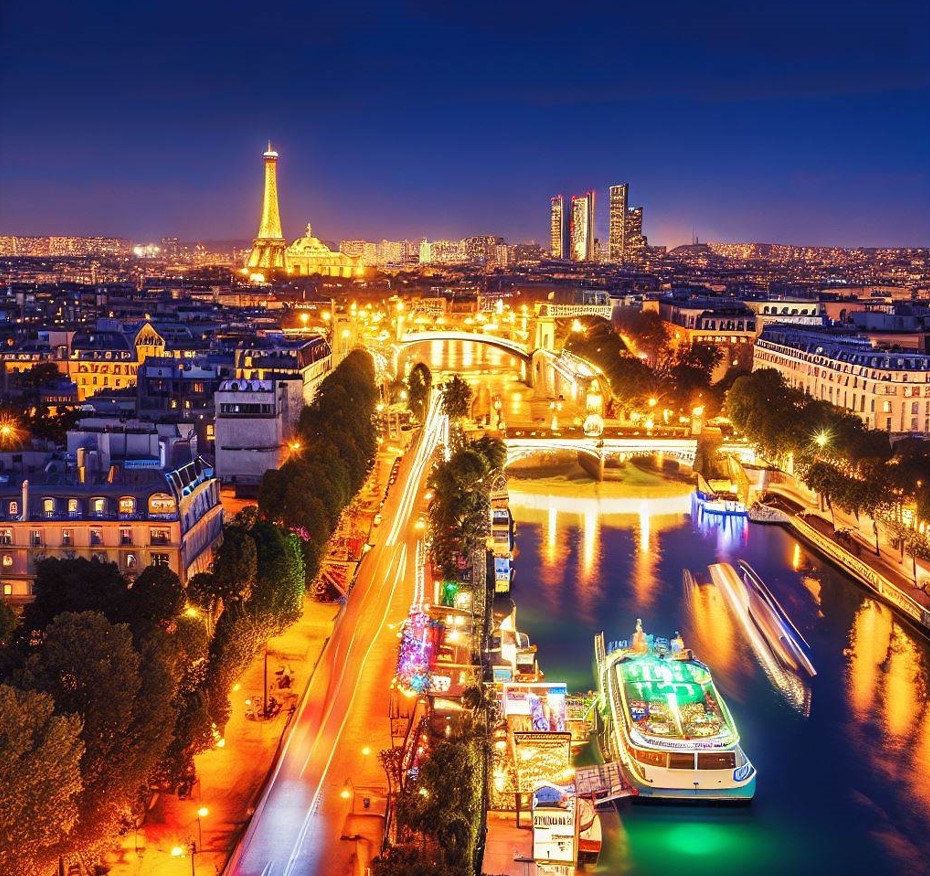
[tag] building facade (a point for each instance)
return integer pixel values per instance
(582, 227)
(888, 390)
(254, 427)
(122, 494)
(557, 227)
(616, 239)
(726, 324)
(273, 356)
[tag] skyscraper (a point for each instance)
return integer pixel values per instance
(268, 249)
(557, 227)
(616, 240)
(582, 227)
(635, 242)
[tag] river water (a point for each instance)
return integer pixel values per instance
(844, 764)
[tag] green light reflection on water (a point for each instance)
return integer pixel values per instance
(649, 840)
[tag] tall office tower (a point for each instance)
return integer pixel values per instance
(269, 248)
(557, 245)
(582, 227)
(616, 239)
(635, 244)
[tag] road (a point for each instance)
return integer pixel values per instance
(330, 753)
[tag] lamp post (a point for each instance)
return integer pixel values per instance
(202, 813)
(191, 848)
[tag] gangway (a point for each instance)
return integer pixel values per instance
(602, 783)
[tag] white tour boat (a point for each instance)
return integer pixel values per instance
(668, 726)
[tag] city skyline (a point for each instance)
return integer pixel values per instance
(765, 131)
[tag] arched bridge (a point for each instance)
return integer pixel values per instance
(509, 346)
(550, 372)
(599, 450)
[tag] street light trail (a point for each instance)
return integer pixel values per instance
(398, 576)
(297, 823)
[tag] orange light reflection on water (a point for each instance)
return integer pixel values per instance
(887, 687)
(713, 634)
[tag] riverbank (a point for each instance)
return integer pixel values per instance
(857, 558)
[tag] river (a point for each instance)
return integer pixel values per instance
(844, 770)
(844, 767)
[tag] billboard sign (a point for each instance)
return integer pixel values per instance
(555, 825)
(538, 707)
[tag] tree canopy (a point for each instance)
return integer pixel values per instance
(40, 757)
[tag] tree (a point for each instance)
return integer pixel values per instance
(40, 755)
(279, 588)
(235, 566)
(399, 861)
(157, 596)
(493, 449)
(644, 330)
(445, 800)
(420, 382)
(91, 669)
(75, 585)
(201, 591)
(456, 398)
(8, 623)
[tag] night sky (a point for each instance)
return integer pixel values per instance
(768, 120)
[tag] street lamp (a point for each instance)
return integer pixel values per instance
(179, 852)
(202, 813)
(348, 793)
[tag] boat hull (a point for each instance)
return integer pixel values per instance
(741, 794)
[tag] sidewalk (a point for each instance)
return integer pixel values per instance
(505, 844)
(228, 777)
(860, 545)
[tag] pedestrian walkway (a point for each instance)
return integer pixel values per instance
(850, 541)
(228, 777)
(508, 849)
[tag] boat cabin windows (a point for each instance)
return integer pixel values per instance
(653, 758)
(716, 760)
(681, 760)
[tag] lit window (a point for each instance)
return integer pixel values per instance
(7, 560)
(162, 503)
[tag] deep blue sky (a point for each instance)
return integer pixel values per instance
(793, 121)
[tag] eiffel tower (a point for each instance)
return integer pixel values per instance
(269, 249)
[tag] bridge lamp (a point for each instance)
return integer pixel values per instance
(822, 438)
(653, 402)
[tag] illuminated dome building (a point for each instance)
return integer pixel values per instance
(309, 255)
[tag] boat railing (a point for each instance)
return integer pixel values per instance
(600, 655)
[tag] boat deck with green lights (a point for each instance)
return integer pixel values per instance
(667, 724)
(670, 698)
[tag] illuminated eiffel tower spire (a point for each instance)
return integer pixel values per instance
(269, 248)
